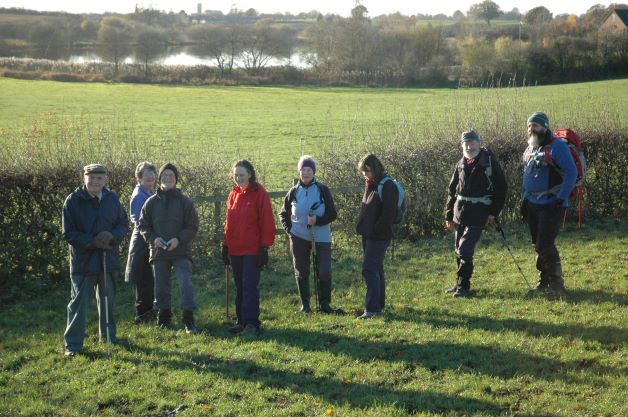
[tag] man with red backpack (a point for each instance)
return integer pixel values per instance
(548, 178)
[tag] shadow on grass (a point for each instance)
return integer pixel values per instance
(605, 335)
(329, 389)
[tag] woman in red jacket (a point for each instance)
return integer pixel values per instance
(249, 232)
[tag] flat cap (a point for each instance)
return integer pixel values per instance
(94, 169)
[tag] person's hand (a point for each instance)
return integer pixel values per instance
(103, 240)
(224, 252)
(311, 220)
(160, 243)
(261, 259)
(490, 219)
(558, 204)
(450, 225)
(172, 244)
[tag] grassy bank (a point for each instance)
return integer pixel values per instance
(498, 353)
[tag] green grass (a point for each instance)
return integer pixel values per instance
(274, 126)
(498, 353)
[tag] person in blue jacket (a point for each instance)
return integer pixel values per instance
(138, 269)
(94, 224)
(545, 197)
(306, 216)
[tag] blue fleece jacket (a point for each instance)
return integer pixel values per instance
(304, 198)
(83, 219)
(537, 172)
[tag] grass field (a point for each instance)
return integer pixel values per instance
(498, 353)
(276, 125)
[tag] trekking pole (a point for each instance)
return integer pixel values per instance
(505, 243)
(227, 279)
(104, 264)
(314, 261)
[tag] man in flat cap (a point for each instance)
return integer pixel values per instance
(94, 224)
(477, 192)
(549, 175)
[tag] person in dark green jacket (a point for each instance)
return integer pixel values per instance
(169, 223)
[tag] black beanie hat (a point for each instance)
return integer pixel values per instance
(171, 167)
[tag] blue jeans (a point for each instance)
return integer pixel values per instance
(80, 293)
(246, 276)
(183, 271)
(373, 273)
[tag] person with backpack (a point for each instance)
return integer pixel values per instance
(249, 232)
(138, 269)
(377, 215)
(549, 176)
(169, 224)
(306, 215)
(477, 193)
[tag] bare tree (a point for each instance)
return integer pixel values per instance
(149, 44)
(263, 42)
(114, 37)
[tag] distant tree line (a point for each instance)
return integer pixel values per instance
(471, 49)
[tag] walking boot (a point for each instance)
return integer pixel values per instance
(143, 316)
(542, 284)
(324, 295)
(164, 318)
(453, 288)
(188, 322)
(303, 285)
(556, 283)
(465, 270)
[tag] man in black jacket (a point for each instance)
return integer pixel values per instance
(477, 192)
(169, 223)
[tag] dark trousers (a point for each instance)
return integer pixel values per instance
(373, 273)
(466, 238)
(301, 250)
(544, 224)
(246, 276)
(144, 288)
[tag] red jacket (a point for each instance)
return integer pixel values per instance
(250, 221)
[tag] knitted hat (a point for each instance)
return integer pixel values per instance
(306, 161)
(469, 135)
(171, 167)
(539, 118)
(94, 169)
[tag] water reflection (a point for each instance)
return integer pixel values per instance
(173, 56)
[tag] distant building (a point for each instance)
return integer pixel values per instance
(616, 22)
(199, 8)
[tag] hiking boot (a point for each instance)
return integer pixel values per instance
(70, 353)
(461, 292)
(452, 289)
(144, 317)
(327, 309)
(556, 283)
(303, 285)
(237, 328)
(188, 322)
(249, 332)
(367, 315)
(164, 318)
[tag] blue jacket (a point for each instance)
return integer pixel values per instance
(83, 220)
(297, 204)
(138, 198)
(539, 177)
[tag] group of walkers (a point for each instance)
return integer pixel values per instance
(166, 222)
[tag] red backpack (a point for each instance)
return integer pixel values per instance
(574, 143)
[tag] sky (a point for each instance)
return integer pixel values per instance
(341, 7)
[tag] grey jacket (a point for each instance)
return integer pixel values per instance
(169, 214)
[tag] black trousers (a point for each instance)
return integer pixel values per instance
(544, 224)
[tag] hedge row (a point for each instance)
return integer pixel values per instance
(32, 197)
